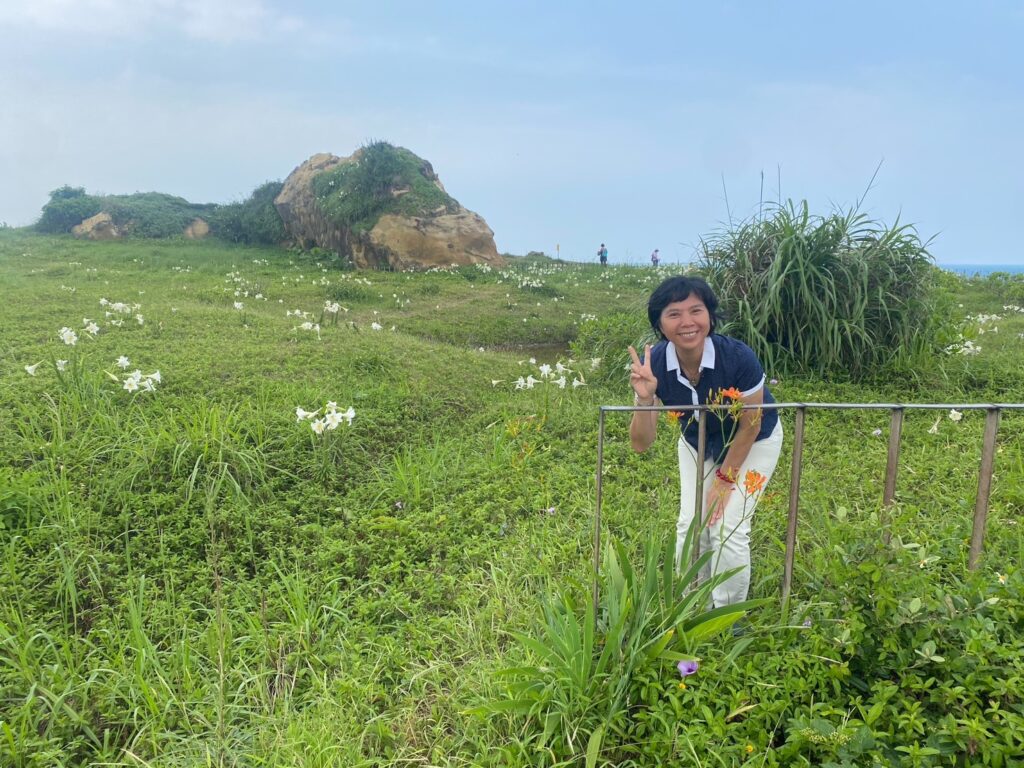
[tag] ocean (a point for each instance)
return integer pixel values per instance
(983, 269)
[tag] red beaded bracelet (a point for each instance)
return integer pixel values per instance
(724, 477)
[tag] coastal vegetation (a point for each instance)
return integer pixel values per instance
(255, 511)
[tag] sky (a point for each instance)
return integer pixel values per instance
(565, 125)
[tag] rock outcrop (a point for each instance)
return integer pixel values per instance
(98, 227)
(197, 230)
(397, 234)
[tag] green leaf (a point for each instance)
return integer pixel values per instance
(594, 746)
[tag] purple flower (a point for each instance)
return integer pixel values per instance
(773, 382)
(808, 623)
(687, 667)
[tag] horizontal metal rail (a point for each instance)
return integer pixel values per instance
(892, 463)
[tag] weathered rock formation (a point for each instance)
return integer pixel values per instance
(98, 227)
(197, 230)
(446, 235)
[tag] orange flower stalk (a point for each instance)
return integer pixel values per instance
(754, 481)
(732, 392)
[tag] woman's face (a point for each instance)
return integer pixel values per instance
(686, 323)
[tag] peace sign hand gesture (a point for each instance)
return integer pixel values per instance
(641, 377)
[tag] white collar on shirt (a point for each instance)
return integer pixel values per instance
(707, 360)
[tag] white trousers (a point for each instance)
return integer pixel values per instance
(729, 538)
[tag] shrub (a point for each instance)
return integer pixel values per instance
(153, 214)
(68, 207)
(838, 294)
(254, 221)
(356, 194)
(143, 214)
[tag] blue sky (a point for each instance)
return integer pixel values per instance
(565, 124)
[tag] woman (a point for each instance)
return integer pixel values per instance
(693, 365)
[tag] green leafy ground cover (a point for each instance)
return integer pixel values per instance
(192, 577)
(142, 214)
(357, 194)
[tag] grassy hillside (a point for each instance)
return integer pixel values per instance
(193, 576)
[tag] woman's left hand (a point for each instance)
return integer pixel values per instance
(715, 500)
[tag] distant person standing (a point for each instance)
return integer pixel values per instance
(602, 254)
(655, 258)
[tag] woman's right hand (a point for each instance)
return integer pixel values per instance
(641, 377)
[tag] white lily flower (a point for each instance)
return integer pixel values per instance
(376, 326)
(332, 419)
(148, 385)
(955, 415)
(594, 362)
(131, 384)
(496, 382)
(301, 413)
(318, 426)
(331, 406)
(68, 336)
(140, 319)
(530, 382)
(520, 383)
(123, 362)
(31, 369)
(876, 432)
(349, 415)
(62, 364)
(155, 376)
(92, 329)
(239, 305)
(560, 382)
(533, 361)
(578, 383)
(545, 370)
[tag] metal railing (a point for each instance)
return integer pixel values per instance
(988, 451)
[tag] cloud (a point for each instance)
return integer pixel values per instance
(217, 21)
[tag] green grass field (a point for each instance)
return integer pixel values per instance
(191, 576)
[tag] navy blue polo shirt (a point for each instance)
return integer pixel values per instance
(726, 363)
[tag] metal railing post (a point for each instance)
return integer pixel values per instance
(794, 502)
(891, 465)
(597, 511)
(988, 457)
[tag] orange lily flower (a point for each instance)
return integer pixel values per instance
(754, 481)
(732, 392)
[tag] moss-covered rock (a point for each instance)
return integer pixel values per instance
(382, 207)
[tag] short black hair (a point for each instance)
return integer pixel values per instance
(679, 289)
